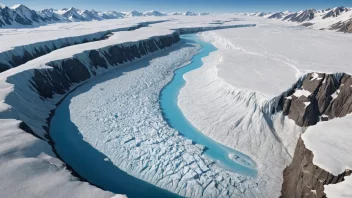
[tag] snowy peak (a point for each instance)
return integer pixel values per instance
(2, 6)
(19, 6)
(176, 13)
(260, 14)
(277, 15)
(335, 12)
(302, 16)
(188, 13)
(113, 15)
(29, 15)
(133, 13)
(153, 13)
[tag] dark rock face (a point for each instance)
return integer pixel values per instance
(21, 15)
(22, 54)
(340, 26)
(335, 12)
(278, 15)
(81, 67)
(304, 179)
(328, 96)
(301, 17)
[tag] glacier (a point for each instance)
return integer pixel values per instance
(45, 81)
(128, 127)
(244, 80)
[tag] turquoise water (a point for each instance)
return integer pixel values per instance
(90, 164)
(175, 118)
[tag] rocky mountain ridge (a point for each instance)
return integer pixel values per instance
(338, 19)
(22, 16)
(316, 97)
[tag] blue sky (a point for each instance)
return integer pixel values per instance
(184, 5)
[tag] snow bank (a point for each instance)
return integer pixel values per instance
(340, 190)
(329, 142)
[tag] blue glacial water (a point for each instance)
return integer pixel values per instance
(175, 118)
(90, 164)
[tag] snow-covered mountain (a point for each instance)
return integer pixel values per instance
(302, 16)
(336, 12)
(338, 19)
(277, 15)
(153, 13)
(20, 15)
(188, 13)
(133, 13)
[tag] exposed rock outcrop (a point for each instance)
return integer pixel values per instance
(301, 16)
(304, 179)
(340, 26)
(315, 97)
(22, 54)
(81, 67)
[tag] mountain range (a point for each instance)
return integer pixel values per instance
(339, 18)
(20, 15)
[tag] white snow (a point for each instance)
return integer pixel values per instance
(339, 190)
(302, 92)
(330, 144)
(277, 51)
(16, 6)
(306, 104)
(29, 168)
(315, 76)
(2, 5)
(335, 94)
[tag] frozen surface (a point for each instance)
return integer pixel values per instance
(126, 124)
(340, 190)
(330, 144)
(278, 52)
(239, 80)
(30, 169)
(11, 38)
(20, 102)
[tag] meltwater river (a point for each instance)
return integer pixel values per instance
(239, 162)
(91, 164)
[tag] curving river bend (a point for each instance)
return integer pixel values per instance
(95, 166)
